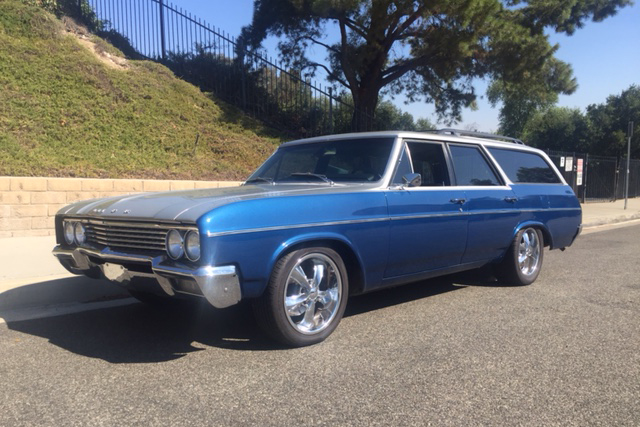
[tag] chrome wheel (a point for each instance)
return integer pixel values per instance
(529, 252)
(312, 293)
(522, 262)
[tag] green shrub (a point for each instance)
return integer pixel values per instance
(20, 20)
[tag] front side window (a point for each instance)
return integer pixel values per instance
(524, 167)
(470, 166)
(404, 167)
(350, 160)
(426, 159)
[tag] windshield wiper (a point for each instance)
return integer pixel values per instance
(259, 179)
(313, 175)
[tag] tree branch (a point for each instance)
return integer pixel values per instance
(406, 24)
(353, 26)
(395, 72)
(330, 73)
(350, 23)
(344, 61)
(326, 46)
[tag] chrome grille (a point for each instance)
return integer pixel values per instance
(127, 235)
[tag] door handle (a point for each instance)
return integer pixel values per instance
(458, 201)
(511, 199)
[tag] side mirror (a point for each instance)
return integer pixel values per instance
(412, 180)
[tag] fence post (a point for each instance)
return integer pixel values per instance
(330, 110)
(162, 37)
(626, 180)
(615, 180)
(585, 170)
(243, 82)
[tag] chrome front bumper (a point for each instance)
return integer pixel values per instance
(219, 285)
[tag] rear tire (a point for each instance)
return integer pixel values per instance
(523, 260)
(305, 298)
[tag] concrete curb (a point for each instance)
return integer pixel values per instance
(616, 220)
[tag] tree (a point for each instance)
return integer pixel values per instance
(429, 50)
(424, 124)
(387, 117)
(521, 101)
(610, 122)
(601, 131)
(559, 128)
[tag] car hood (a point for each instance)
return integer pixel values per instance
(188, 205)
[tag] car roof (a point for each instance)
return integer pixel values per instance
(445, 135)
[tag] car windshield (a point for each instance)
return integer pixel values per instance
(350, 160)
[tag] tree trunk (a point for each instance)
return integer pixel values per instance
(365, 101)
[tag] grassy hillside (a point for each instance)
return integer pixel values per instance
(69, 106)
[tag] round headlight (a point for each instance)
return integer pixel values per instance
(175, 244)
(68, 233)
(192, 245)
(79, 233)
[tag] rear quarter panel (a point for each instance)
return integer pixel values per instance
(553, 205)
(565, 215)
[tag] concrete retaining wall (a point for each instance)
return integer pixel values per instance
(28, 205)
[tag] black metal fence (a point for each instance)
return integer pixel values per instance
(634, 178)
(597, 178)
(210, 58)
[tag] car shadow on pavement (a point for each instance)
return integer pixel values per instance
(399, 295)
(62, 290)
(138, 333)
(482, 277)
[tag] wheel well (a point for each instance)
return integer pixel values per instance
(546, 236)
(354, 269)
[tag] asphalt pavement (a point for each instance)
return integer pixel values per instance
(457, 351)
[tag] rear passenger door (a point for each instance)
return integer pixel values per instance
(491, 205)
(428, 225)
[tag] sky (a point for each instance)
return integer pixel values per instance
(605, 57)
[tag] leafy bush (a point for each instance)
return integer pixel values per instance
(18, 20)
(49, 5)
(81, 11)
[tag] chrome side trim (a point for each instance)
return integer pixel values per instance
(393, 218)
(439, 215)
(288, 227)
(219, 285)
(551, 210)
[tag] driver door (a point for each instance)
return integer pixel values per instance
(428, 222)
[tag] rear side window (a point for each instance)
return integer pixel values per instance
(524, 167)
(470, 166)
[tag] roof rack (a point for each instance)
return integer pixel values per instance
(458, 132)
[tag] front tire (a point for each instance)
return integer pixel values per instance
(523, 261)
(305, 298)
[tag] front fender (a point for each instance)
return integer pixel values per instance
(308, 239)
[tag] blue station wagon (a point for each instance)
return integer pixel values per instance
(329, 217)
